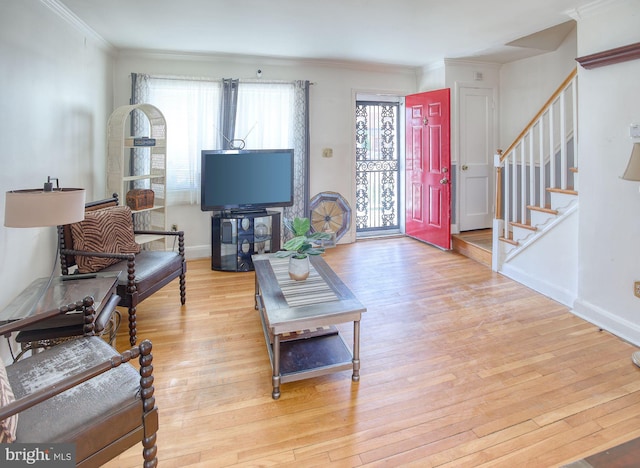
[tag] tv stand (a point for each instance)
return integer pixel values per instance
(246, 211)
(237, 235)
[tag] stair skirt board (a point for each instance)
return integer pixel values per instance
(546, 228)
(550, 267)
(562, 295)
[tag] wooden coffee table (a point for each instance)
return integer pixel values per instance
(299, 318)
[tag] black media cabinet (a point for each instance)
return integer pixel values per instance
(236, 236)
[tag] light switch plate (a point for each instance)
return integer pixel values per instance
(634, 131)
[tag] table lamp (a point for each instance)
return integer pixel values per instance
(43, 207)
(632, 172)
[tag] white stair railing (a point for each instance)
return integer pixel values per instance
(537, 160)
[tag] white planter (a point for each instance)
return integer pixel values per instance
(298, 268)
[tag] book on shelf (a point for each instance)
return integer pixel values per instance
(140, 141)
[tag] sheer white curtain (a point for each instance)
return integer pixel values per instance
(276, 115)
(264, 115)
(191, 108)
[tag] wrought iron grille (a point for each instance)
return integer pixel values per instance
(376, 166)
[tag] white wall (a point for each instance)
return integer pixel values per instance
(609, 101)
(526, 84)
(56, 86)
(332, 120)
(432, 77)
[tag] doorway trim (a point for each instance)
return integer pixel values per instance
(456, 143)
(382, 96)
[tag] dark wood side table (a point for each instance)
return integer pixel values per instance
(31, 306)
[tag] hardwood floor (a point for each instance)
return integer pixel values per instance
(461, 367)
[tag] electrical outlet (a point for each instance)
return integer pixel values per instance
(174, 227)
(636, 288)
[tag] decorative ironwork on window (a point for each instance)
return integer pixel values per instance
(376, 166)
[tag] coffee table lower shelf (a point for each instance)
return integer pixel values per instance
(307, 355)
(316, 355)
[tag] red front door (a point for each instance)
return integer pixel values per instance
(428, 168)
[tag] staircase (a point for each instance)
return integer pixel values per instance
(535, 227)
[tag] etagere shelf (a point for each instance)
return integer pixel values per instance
(139, 166)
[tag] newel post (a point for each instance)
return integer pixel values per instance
(497, 162)
(498, 223)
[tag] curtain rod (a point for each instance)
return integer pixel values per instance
(203, 78)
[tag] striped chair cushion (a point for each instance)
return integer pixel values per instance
(8, 426)
(107, 230)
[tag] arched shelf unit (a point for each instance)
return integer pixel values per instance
(135, 163)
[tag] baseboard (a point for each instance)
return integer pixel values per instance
(197, 252)
(622, 328)
(561, 295)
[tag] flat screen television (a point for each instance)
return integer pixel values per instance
(246, 180)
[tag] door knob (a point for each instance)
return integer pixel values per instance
(464, 167)
(444, 181)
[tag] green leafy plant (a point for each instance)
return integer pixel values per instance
(302, 244)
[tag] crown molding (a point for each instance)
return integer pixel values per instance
(473, 63)
(590, 9)
(70, 18)
(263, 60)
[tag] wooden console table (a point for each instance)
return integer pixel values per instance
(298, 319)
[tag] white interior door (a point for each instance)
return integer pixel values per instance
(475, 157)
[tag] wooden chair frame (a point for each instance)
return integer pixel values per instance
(130, 291)
(148, 424)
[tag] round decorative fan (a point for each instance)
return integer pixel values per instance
(330, 212)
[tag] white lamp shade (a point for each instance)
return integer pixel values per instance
(633, 167)
(37, 208)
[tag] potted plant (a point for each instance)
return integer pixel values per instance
(299, 247)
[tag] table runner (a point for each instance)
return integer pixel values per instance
(298, 293)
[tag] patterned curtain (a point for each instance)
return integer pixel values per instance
(301, 197)
(139, 126)
(228, 111)
(139, 122)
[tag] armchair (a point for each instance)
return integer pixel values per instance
(81, 392)
(104, 241)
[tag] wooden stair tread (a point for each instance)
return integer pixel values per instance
(509, 240)
(546, 209)
(568, 191)
(524, 226)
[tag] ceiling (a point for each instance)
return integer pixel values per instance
(411, 33)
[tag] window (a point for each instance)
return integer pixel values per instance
(265, 119)
(191, 109)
